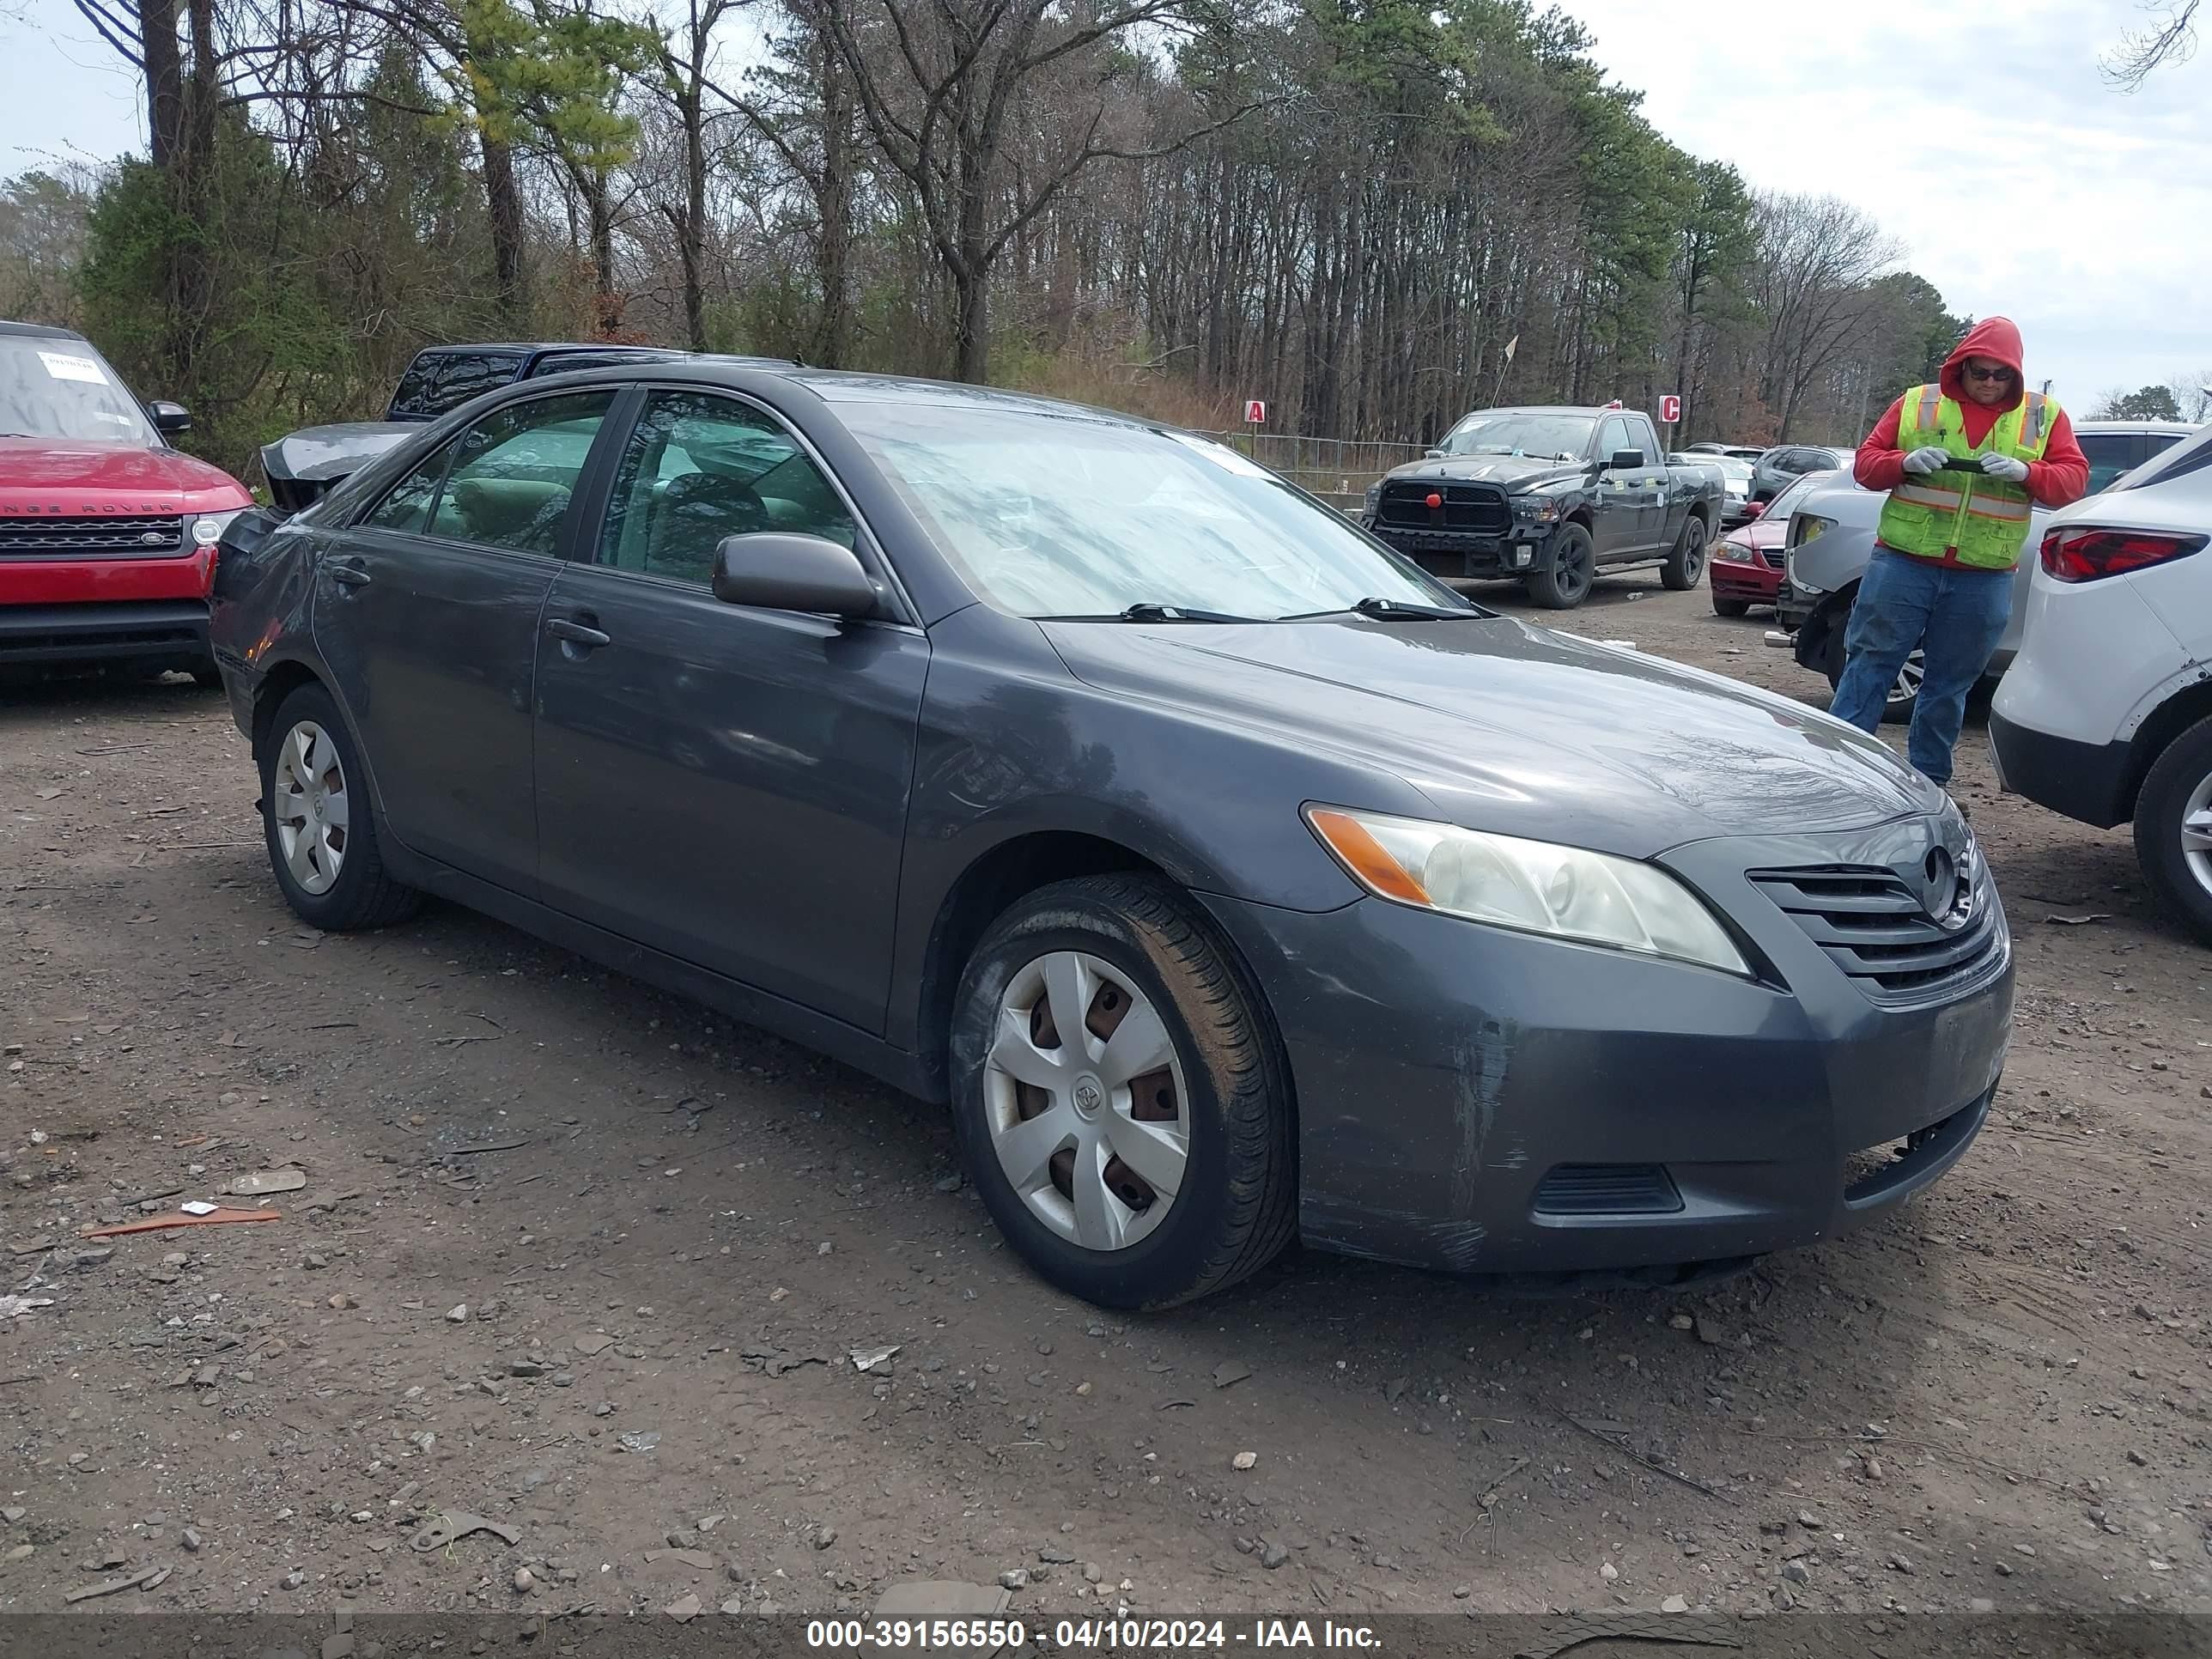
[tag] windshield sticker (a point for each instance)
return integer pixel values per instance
(65, 365)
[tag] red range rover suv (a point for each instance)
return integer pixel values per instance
(107, 533)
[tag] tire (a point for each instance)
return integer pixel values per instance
(2176, 858)
(359, 894)
(1139, 946)
(1725, 607)
(1686, 566)
(1563, 581)
(1903, 697)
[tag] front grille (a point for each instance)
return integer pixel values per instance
(1873, 927)
(1773, 556)
(1481, 509)
(1608, 1190)
(93, 536)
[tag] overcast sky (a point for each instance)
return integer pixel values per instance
(1977, 131)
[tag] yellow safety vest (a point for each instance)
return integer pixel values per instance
(1983, 520)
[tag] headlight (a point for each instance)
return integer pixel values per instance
(1536, 509)
(1813, 527)
(1374, 495)
(1531, 886)
(208, 527)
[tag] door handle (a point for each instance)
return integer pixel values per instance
(577, 633)
(349, 576)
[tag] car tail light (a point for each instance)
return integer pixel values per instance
(2088, 555)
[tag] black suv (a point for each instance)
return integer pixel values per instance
(445, 377)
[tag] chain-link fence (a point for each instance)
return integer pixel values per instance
(1339, 470)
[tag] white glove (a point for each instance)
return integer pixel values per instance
(1930, 459)
(2005, 467)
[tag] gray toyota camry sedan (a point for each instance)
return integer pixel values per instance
(1231, 880)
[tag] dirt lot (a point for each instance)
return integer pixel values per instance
(586, 1261)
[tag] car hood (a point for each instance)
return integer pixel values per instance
(326, 453)
(58, 475)
(1513, 472)
(1520, 730)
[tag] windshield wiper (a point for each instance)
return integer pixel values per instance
(1146, 610)
(1397, 611)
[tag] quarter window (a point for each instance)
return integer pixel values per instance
(514, 470)
(699, 467)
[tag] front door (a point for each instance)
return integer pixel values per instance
(1626, 494)
(427, 611)
(725, 785)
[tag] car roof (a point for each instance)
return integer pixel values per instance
(1550, 409)
(2178, 429)
(39, 331)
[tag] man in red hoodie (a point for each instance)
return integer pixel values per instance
(1962, 461)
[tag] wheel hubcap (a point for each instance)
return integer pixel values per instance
(2196, 833)
(1084, 1098)
(1909, 678)
(311, 807)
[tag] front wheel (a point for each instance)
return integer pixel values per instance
(1725, 607)
(1120, 1096)
(2173, 829)
(319, 823)
(1563, 580)
(1685, 565)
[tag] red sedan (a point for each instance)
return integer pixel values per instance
(1746, 566)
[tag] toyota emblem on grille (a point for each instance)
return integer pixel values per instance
(1939, 891)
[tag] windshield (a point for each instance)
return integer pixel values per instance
(1560, 437)
(1734, 467)
(1789, 500)
(51, 386)
(1051, 516)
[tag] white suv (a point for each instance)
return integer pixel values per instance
(2106, 714)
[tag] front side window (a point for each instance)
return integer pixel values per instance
(699, 467)
(406, 508)
(1613, 438)
(1049, 515)
(514, 470)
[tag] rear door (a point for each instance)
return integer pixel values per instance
(427, 610)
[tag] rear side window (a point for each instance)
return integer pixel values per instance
(514, 470)
(439, 381)
(2110, 455)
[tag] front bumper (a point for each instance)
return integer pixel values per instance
(1480, 1101)
(1462, 554)
(1757, 582)
(2088, 783)
(173, 631)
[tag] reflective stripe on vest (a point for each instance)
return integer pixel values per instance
(1980, 520)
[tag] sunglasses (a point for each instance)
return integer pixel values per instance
(1997, 373)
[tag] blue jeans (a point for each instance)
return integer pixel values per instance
(1955, 616)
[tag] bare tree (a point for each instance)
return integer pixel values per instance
(2171, 40)
(938, 88)
(1817, 257)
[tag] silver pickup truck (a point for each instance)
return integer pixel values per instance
(1831, 539)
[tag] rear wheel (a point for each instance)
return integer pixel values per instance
(1725, 607)
(1685, 565)
(1120, 1096)
(1903, 695)
(319, 823)
(1563, 581)
(2173, 829)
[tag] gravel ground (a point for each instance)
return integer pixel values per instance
(592, 1264)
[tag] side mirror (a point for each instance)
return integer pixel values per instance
(170, 418)
(1625, 460)
(1435, 455)
(773, 570)
(1756, 510)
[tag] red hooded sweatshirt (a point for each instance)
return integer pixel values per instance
(2063, 474)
